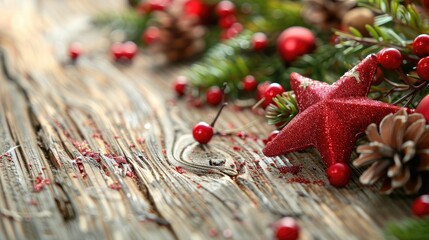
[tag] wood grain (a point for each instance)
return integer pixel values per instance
(104, 150)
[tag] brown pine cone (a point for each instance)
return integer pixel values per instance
(398, 153)
(181, 37)
(326, 14)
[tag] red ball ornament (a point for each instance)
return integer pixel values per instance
(75, 50)
(227, 21)
(150, 35)
(338, 174)
(249, 83)
(180, 85)
(286, 229)
(202, 132)
(273, 90)
(117, 51)
(420, 206)
(390, 58)
(423, 68)
(423, 108)
(224, 8)
(421, 45)
(295, 42)
(214, 95)
(259, 41)
(130, 50)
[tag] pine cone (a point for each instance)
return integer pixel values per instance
(326, 14)
(181, 35)
(398, 152)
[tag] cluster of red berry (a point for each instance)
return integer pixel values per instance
(227, 21)
(120, 51)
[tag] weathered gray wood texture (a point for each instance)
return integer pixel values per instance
(108, 141)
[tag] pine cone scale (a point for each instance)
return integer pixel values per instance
(398, 131)
(373, 134)
(415, 130)
(402, 179)
(375, 172)
(386, 129)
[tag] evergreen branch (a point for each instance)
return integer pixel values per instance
(283, 111)
(130, 22)
(414, 229)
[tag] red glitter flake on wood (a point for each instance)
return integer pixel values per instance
(132, 146)
(199, 186)
(301, 180)
(241, 135)
(213, 233)
(140, 140)
(39, 184)
(290, 169)
(236, 148)
(120, 160)
(115, 186)
(96, 135)
(180, 170)
(319, 182)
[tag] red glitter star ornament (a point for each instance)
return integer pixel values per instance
(331, 116)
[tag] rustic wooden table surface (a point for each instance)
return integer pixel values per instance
(100, 150)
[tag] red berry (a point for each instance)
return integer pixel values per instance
(117, 51)
(130, 50)
(421, 45)
(423, 68)
(423, 108)
(158, 5)
(273, 90)
(232, 32)
(224, 8)
(249, 83)
(262, 87)
(259, 41)
(75, 50)
(150, 35)
(295, 42)
(389, 58)
(180, 85)
(420, 206)
(227, 21)
(338, 174)
(286, 229)
(202, 132)
(214, 95)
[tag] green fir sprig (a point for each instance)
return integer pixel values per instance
(396, 25)
(410, 229)
(283, 110)
(130, 22)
